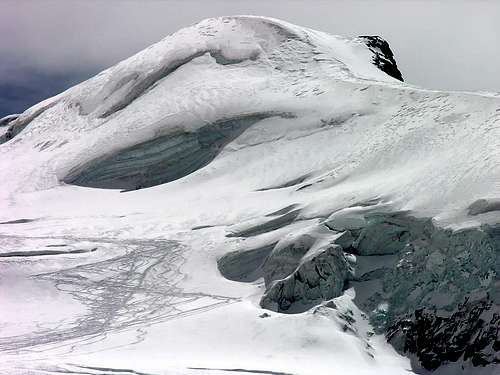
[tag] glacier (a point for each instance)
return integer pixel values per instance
(251, 196)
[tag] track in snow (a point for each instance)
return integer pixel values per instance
(130, 291)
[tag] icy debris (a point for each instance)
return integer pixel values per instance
(420, 268)
(321, 275)
(347, 219)
(286, 255)
(386, 234)
(482, 206)
(345, 239)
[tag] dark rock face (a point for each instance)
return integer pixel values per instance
(383, 57)
(441, 288)
(472, 333)
(19, 122)
(4, 121)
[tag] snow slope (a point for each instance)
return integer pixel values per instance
(240, 134)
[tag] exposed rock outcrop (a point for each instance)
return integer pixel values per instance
(471, 333)
(17, 124)
(7, 119)
(383, 57)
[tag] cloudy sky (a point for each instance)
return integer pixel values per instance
(49, 45)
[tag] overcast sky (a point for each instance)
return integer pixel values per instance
(49, 45)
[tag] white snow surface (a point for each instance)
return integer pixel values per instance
(354, 134)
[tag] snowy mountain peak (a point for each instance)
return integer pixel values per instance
(218, 71)
(269, 197)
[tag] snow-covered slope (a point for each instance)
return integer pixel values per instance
(248, 195)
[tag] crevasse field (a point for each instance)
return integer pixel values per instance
(250, 196)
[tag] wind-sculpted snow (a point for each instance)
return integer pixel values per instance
(133, 85)
(290, 205)
(164, 159)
